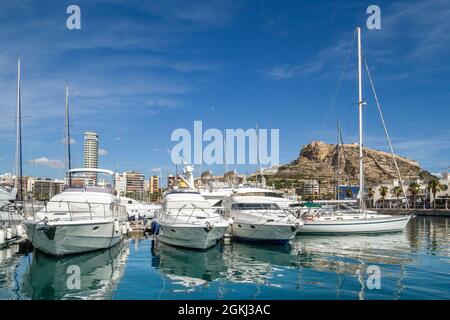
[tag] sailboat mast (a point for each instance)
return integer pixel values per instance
(67, 138)
(18, 182)
(360, 108)
(338, 175)
(258, 153)
(225, 151)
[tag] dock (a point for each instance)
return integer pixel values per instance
(138, 228)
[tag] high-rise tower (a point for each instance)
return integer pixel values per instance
(90, 149)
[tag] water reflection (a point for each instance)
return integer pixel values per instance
(253, 263)
(9, 264)
(48, 277)
(414, 265)
(186, 267)
(332, 263)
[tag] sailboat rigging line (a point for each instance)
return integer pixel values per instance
(259, 155)
(345, 159)
(18, 166)
(69, 160)
(338, 84)
(386, 132)
(338, 175)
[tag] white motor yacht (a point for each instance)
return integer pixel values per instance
(9, 210)
(269, 195)
(259, 218)
(10, 218)
(186, 219)
(82, 218)
(215, 195)
(137, 210)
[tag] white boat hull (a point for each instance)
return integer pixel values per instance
(190, 236)
(71, 237)
(264, 232)
(347, 226)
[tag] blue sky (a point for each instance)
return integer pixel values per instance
(140, 69)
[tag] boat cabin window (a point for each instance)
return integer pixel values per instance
(264, 194)
(255, 206)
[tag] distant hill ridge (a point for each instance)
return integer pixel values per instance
(318, 161)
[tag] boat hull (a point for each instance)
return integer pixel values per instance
(190, 236)
(347, 226)
(277, 233)
(62, 238)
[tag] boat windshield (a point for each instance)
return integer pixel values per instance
(90, 181)
(255, 206)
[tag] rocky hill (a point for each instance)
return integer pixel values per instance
(318, 161)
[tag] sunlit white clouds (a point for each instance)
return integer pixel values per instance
(44, 161)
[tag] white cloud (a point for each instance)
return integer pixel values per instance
(439, 175)
(162, 103)
(189, 66)
(200, 13)
(102, 152)
(422, 43)
(51, 163)
(72, 141)
(286, 71)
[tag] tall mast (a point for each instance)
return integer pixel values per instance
(338, 179)
(360, 108)
(258, 153)
(19, 181)
(225, 151)
(67, 137)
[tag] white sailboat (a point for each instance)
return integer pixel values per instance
(10, 209)
(361, 220)
(186, 219)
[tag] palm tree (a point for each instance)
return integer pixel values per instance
(370, 193)
(434, 186)
(383, 192)
(397, 191)
(349, 193)
(414, 188)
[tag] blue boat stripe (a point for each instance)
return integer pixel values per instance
(350, 224)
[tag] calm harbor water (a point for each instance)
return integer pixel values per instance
(414, 264)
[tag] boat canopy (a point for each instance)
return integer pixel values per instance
(307, 204)
(94, 170)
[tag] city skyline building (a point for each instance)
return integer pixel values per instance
(154, 184)
(90, 149)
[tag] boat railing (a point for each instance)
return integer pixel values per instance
(266, 214)
(185, 211)
(76, 210)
